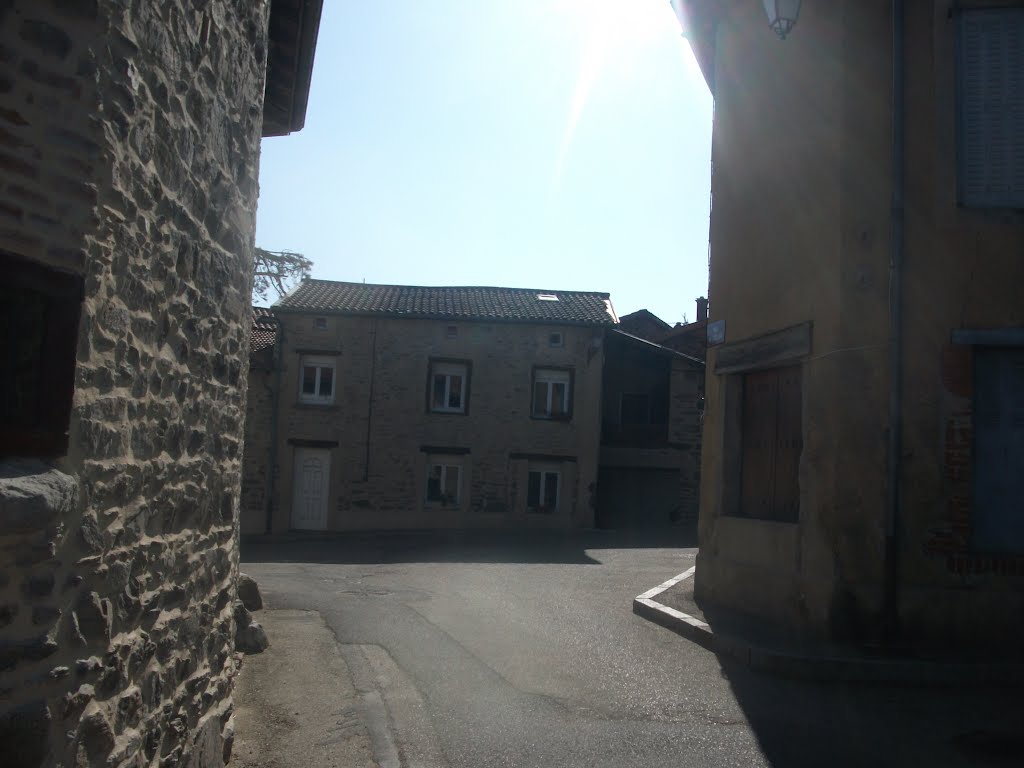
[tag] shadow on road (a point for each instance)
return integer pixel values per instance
(465, 546)
(837, 725)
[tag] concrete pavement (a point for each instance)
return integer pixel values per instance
(296, 705)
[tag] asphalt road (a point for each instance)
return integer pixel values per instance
(498, 649)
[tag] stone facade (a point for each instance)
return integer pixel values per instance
(381, 436)
(650, 466)
(378, 434)
(801, 241)
(129, 143)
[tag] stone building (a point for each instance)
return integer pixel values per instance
(651, 403)
(411, 407)
(129, 148)
(863, 443)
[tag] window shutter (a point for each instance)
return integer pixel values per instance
(991, 104)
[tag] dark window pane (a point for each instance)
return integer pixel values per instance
(308, 380)
(451, 484)
(558, 399)
(540, 398)
(434, 484)
(455, 392)
(550, 491)
(635, 410)
(326, 382)
(438, 398)
(533, 491)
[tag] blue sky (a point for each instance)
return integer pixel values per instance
(560, 144)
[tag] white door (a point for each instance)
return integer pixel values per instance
(312, 484)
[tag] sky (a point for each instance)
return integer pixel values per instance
(550, 144)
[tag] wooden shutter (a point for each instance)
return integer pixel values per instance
(990, 71)
(772, 438)
(760, 393)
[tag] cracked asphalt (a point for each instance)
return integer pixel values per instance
(502, 649)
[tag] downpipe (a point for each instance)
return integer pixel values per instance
(891, 568)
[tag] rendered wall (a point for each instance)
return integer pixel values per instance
(803, 139)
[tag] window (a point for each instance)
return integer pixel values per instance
(555, 339)
(772, 439)
(448, 384)
(443, 484)
(451, 332)
(320, 323)
(316, 380)
(990, 95)
(542, 492)
(551, 393)
(39, 312)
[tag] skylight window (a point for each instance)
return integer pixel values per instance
(547, 297)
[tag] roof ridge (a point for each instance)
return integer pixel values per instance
(603, 294)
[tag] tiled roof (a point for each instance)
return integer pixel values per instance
(264, 329)
(455, 303)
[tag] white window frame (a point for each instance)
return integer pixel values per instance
(447, 466)
(320, 363)
(545, 475)
(448, 370)
(549, 377)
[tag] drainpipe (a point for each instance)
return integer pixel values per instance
(890, 596)
(369, 406)
(275, 399)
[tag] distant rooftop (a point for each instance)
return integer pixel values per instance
(264, 329)
(451, 303)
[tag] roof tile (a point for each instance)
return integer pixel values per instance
(455, 303)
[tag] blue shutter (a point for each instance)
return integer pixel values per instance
(998, 484)
(990, 71)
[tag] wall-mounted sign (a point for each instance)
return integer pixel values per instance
(716, 333)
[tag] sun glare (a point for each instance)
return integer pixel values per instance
(613, 32)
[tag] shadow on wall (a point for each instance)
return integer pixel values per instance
(843, 724)
(457, 546)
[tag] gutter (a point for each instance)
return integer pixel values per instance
(891, 564)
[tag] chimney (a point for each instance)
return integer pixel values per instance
(702, 309)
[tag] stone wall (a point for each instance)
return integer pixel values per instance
(258, 430)
(129, 140)
(685, 427)
(378, 424)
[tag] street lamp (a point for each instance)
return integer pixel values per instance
(782, 15)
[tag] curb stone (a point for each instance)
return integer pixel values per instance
(831, 668)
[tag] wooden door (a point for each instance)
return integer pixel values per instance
(311, 489)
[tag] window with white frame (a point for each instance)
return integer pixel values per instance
(316, 380)
(990, 96)
(542, 491)
(552, 394)
(448, 384)
(444, 483)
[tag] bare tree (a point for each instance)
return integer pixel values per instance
(277, 271)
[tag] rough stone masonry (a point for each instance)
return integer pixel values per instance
(129, 141)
